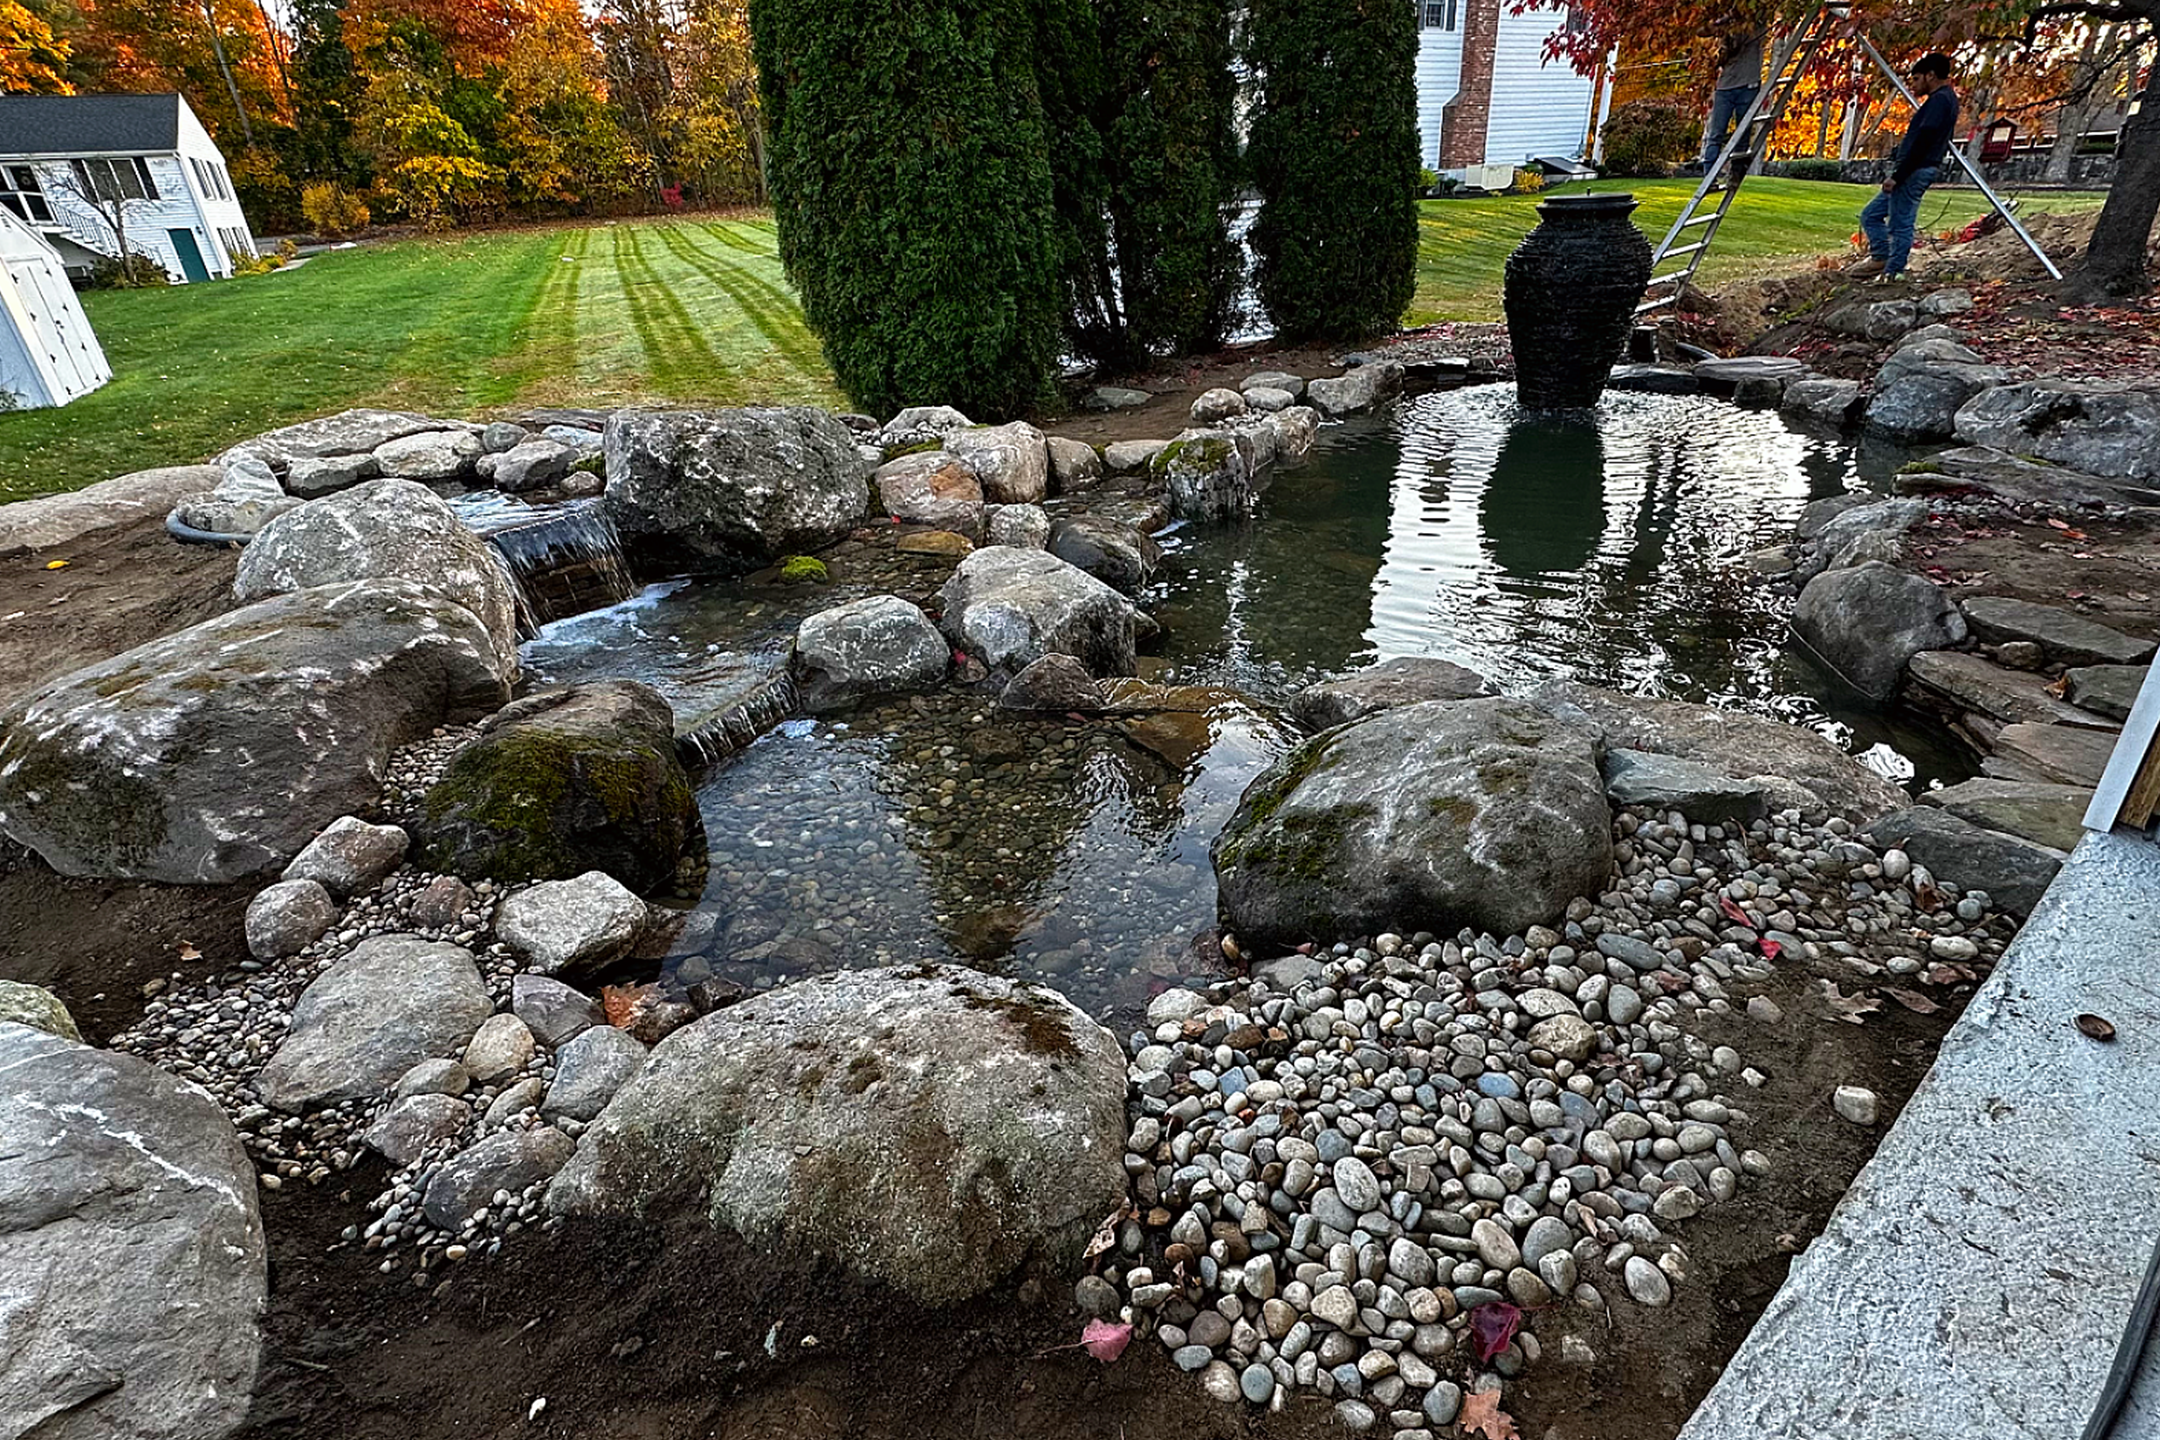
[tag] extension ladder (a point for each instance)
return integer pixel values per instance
(1750, 138)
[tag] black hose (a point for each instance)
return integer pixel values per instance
(187, 534)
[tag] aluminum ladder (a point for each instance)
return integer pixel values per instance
(1750, 138)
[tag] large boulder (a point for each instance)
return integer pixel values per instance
(1794, 766)
(932, 1126)
(2094, 426)
(135, 1274)
(50, 520)
(394, 1001)
(36, 1007)
(1922, 386)
(216, 753)
(1874, 531)
(431, 455)
(1356, 390)
(932, 487)
(565, 781)
(383, 530)
(881, 645)
(1866, 621)
(1409, 680)
(725, 492)
(1485, 813)
(1013, 461)
(1211, 474)
(1119, 555)
(1963, 856)
(1012, 607)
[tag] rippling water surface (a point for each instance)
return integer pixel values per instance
(940, 827)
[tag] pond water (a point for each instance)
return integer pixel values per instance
(940, 827)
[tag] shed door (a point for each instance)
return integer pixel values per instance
(191, 261)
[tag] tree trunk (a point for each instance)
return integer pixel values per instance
(232, 88)
(2114, 264)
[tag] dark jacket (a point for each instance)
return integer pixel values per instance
(1927, 139)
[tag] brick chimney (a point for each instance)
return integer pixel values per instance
(1464, 121)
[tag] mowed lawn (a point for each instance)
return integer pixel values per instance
(682, 310)
(670, 311)
(1463, 244)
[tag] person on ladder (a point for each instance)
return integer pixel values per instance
(1739, 81)
(1888, 220)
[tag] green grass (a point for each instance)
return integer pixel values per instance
(1463, 244)
(674, 310)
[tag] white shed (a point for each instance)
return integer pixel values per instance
(48, 353)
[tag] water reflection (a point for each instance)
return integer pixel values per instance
(1543, 509)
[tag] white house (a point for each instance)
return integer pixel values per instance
(69, 162)
(1486, 93)
(48, 353)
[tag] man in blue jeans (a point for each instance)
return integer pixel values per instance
(1739, 81)
(1889, 218)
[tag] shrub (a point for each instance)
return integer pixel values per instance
(1172, 159)
(1815, 169)
(278, 259)
(107, 272)
(1528, 182)
(331, 209)
(1427, 180)
(910, 176)
(1648, 137)
(1334, 155)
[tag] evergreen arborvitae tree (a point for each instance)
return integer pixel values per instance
(910, 174)
(1173, 173)
(1070, 75)
(1334, 155)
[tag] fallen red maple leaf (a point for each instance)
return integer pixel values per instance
(1482, 1415)
(1770, 948)
(1492, 1328)
(1734, 913)
(1105, 1340)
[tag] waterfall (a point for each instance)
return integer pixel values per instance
(730, 727)
(562, 561)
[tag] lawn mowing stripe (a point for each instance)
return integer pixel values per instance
(724, 232)
(671, 338)
(773, 312)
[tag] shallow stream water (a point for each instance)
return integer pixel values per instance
(940, 827)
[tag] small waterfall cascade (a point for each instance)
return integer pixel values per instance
(730, 726)
(562, 560)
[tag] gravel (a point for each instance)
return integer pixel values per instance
(1338, 1159)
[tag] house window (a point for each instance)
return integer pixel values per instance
(1440, 14)
(224, 179)
(109, 180)
(21, 193)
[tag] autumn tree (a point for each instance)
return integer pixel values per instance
(33, 60)
(2115, 262)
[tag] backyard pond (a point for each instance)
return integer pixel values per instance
(941, 827)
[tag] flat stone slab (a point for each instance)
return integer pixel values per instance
(2067, 636)
(49, 520)
(2052, 815)
(2106, 690)
(1654, 380)
(2065, 754)
(1976, 467)
(1976, 683)
(1976, 1278)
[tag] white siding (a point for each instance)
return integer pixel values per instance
(1539, 106)
(185, 202)
(48, 355)
(1439, 76)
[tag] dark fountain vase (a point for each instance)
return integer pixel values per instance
(1571, 291)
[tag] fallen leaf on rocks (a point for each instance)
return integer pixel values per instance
(2054, 524)
(1106, 1233)
(1492, 1328)
(1482, 1415)
(2060, 686)
(1848, 1008)
(620, 1002)
(2095, 1027)
(1734, 913)
(56, 564)
(1914, 1001)
(1105, 1340)
(1770, 948)
(189, 952)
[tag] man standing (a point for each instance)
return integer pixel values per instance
(1739, 81)
(1889, 218)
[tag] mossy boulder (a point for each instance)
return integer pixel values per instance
(218, 752)
(1486, 813)
(1211, 474)
(932, 1127)
(563, 782)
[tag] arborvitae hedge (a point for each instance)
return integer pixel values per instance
(1070, 76)
(1173, 171)
(910, 174)
(1334, 154)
